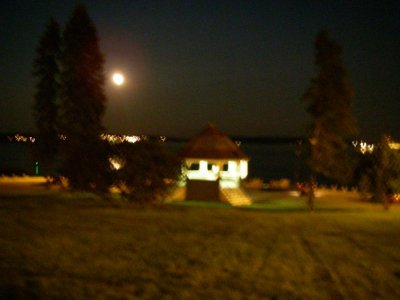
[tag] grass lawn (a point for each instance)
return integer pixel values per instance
(60, 245)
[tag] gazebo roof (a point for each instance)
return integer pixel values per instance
(211, 143)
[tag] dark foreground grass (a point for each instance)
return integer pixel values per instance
(70, 246)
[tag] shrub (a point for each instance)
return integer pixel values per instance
(378, 173)
(146, 170)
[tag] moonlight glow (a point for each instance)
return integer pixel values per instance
(118, 78)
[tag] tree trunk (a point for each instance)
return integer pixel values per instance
(386, 202)
(311, 193)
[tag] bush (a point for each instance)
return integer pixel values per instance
(146, 171)
(378, 173)
(280, 184)
(253, 184)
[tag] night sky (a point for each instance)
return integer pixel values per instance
(240, 64)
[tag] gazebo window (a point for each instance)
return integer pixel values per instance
(209, 167)
(225, 167)
(194, 167)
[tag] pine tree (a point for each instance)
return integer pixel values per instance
(47, 72)
(329, 104)
(85, 157)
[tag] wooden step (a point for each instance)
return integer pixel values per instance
(235, 196)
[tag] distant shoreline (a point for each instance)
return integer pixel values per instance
(4, 137)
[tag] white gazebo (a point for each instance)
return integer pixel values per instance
(212, 161)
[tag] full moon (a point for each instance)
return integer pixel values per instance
(118, 78)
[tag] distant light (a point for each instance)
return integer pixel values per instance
(120, 138)
(21, 138)
(118, 78)
(115, 163)
(132, 139)
(363, 147)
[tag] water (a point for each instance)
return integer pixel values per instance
(272, 161)
(267, 160)
(16, 158)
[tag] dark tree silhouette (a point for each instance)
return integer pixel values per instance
(85, 155)
(329, 104)
(148, 170)
(46, 69)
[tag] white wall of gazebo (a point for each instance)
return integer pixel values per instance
(228, 171)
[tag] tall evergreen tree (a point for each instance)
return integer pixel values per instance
(85, 160)
(329, 104)
(46, 69)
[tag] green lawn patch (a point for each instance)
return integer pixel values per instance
(282, 205)
(198, 203)
(74, 246)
